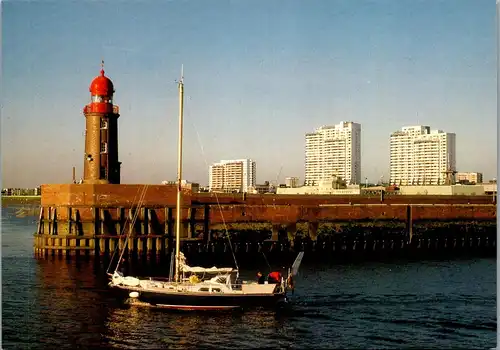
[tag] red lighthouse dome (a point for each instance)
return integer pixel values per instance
(102, 85)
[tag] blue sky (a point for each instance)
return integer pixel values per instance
(258, 76)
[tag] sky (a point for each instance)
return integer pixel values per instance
(258, 76)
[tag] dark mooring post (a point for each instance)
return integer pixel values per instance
(191, 222)
(206, 224)
(313, 230)
(70, 221)
(291, 231)
(169, 227)
(409, 223)
(275, 232)
(144, 223)
(40, 222)
(102, 221)
(97, 221)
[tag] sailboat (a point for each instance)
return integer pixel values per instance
(198, 288)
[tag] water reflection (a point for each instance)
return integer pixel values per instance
(154, 328)
(69, 301)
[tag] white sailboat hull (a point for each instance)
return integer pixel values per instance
(206, 295)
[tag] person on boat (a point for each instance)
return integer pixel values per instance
(274, 277)
(290, 283)
(123, 267)
(260, 278)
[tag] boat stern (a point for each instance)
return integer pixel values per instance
(255, 288)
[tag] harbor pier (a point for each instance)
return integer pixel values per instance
(96, 219)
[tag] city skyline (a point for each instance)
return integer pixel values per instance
(257, 78)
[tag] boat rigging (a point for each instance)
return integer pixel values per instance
(198, 288)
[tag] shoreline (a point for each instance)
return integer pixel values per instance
(21, 200)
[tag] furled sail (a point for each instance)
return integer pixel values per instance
(184, 267)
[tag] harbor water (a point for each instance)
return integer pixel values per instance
(60, 304)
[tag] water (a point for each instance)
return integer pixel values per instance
(431, 304)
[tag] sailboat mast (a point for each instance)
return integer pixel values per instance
(179, 179)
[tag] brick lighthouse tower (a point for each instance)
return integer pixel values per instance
(101, 163)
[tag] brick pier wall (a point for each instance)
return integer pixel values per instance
(95, 219)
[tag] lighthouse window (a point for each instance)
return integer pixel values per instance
(96, 98)
(104, 124)
(104, 147)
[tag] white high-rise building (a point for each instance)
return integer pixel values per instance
(232, 175)
(334, 151)
(421, 156)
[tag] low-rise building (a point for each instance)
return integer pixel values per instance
(332, 186)
(445, 190)
(490, 188)
(469, 178)
(21, 191)
(292, 182)
(260, 188)
(193, 186)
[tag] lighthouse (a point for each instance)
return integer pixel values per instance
(100, 164)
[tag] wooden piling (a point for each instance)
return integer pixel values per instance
(119, 221)
(149, 246)
(131, 222)
(130, 244)
(169, 227)
(54, 221)
(409, 223)
(70, 220)
(149, 217)
(40, 222)
(159, 247)
(275, 232)
(90, 244)
(291, 230)
(49, 220)
(191, 229)
(150, 241)
(102, 219)
(78, 223)
(96, 220)
(207, 237)
(102, 246)
(312, 228)
(140, 245)
(112, 244)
